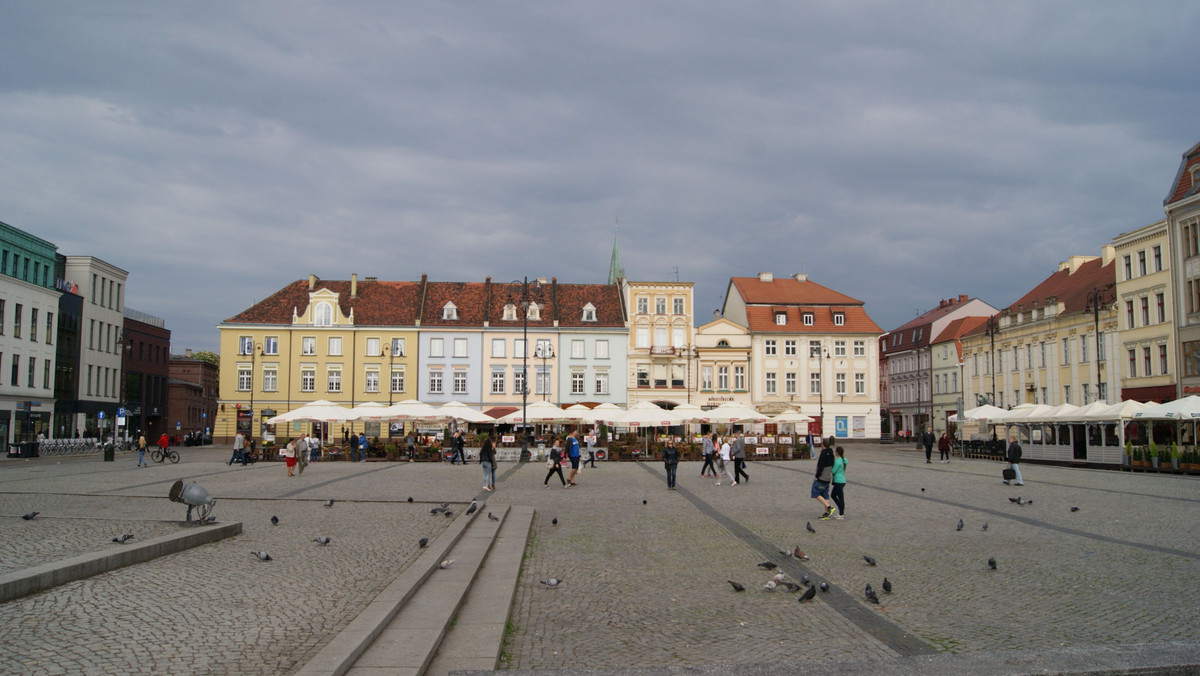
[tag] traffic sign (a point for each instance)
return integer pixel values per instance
(100, 415)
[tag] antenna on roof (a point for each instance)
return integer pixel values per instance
(676, 270)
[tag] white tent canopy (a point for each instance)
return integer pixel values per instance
(314, 411)
(411, 409)
(732, 413)
(540, 412)
(648, 414)
(1187, 408)
(1123, 411)
(370, 410)
(460, 411)
(985, 412)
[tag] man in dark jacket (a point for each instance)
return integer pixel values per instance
(927, 439)
(738, 453)
(1014, 459)
(823, 477)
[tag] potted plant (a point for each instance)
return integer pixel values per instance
(1174, 455)
(1127, 456)
(1153, 454)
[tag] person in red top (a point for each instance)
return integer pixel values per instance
(164, 441)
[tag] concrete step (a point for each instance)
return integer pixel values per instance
(476, 637)
(408, 644)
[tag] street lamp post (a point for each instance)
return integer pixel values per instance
(545, 351)
(822, 355)
(521, 292)
(390, 351)
(693, 355)
(1095, 300)
(991, 332)
(255, 350)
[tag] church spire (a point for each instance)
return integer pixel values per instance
(615, 271)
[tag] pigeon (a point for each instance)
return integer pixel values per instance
(770, 585)
(922, 489)
(410, 498)
(808, 527)
(448, 513)
(824, 587)
(474, 506)
(554, 521)
(437, 510)
(323, 540)
(423, 542)
(767, 565)
(643, 501)
(209, 519)
(799, 554)
(869, 559)
(1074, 509)
(493, 517)
(1016, 499)
(808, 594)
(446, 564)
(792, 586)
(552, 582)
(123, 539)
(805, 581)
(30, 516)
(445, 505)
(737, 586)
(960, 525)
(262, 556)
(870, 594)
(984, 526)
(329, 502)
(887, 586)
(992, 562)
(779, 578)
(274, 521)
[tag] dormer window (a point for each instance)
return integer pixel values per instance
(839, 319)
(510, 313)
(589, 313)
(808, 319)
(780, 318)
(323, 315)
(449, 311)
(534, 312)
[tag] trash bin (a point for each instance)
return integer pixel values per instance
(14, 451)
(110, 450)
(29, 449)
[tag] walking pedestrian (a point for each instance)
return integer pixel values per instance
(726, 463)
(738, 452)
(1014, 459)
(670, 462)
(573, 455)
(823, 477)
(364, 445)
(839, 482)
(239, 449)
(554, 465)
(591, 448)
(353, 447)
(142, 451)
(302, 452)
(708, 448)
(289, 456)
(458, 444)
(927, 440)
(487, 460)
(944, 447)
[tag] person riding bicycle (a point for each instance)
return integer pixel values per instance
(163, 442)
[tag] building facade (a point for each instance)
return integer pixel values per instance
(722, 366)
(1146, 314)
(659, 341)
(1053, 345)
(146, 370)
(191, 395)
(92, 408)
(1182, 206)
(946, 366)
(813, 349)
(28, 336)
(908, 359)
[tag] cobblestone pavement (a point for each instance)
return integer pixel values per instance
(645, 583)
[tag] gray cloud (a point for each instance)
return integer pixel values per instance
(898, 153)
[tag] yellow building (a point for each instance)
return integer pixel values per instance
(722, 364)
(660, 340)
(1053, 346)
(1145, 306)
(347, 342)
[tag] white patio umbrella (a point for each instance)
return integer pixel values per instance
(1117, 412)
(539, 412)
(411, 409)
(464, 413)
(732, 412)
(648, 414)
(1180, 409)
(793, 417)
(688, 410)
(314, 411)
(370, 410)
(985, 412)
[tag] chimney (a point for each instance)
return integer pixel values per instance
(801, 276)
(312, 282)
(1108, 253)
(716, 315)
(766, 277)
(943, 303)
(187, 353)
(962, 297)
(354, 285)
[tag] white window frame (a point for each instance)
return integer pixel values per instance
(499, 347)
(333, 379)
(602, 382)
(769, 382)
(577, 351)
(601, 348)
(577, 382)
(499, 381)
(371, 380)
(308, 346)
(437, 348)
(335, 346)
(271, 345)
(374, 347)
(459, 381)
(460, 348)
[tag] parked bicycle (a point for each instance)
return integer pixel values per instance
(159, 455)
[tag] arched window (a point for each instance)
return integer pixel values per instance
(323, 315)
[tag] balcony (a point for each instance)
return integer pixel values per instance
(662, 350)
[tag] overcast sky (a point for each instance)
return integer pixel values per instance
(897, 152)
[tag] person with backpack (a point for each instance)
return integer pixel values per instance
(839, 482)
(823, 477)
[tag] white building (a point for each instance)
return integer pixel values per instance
(102, 287)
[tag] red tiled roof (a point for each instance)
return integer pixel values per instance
(1184, 186)
(1072, 289)
(398, 303)
(377, 304)
(958, 328)
(788, 291)
(761, 319)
